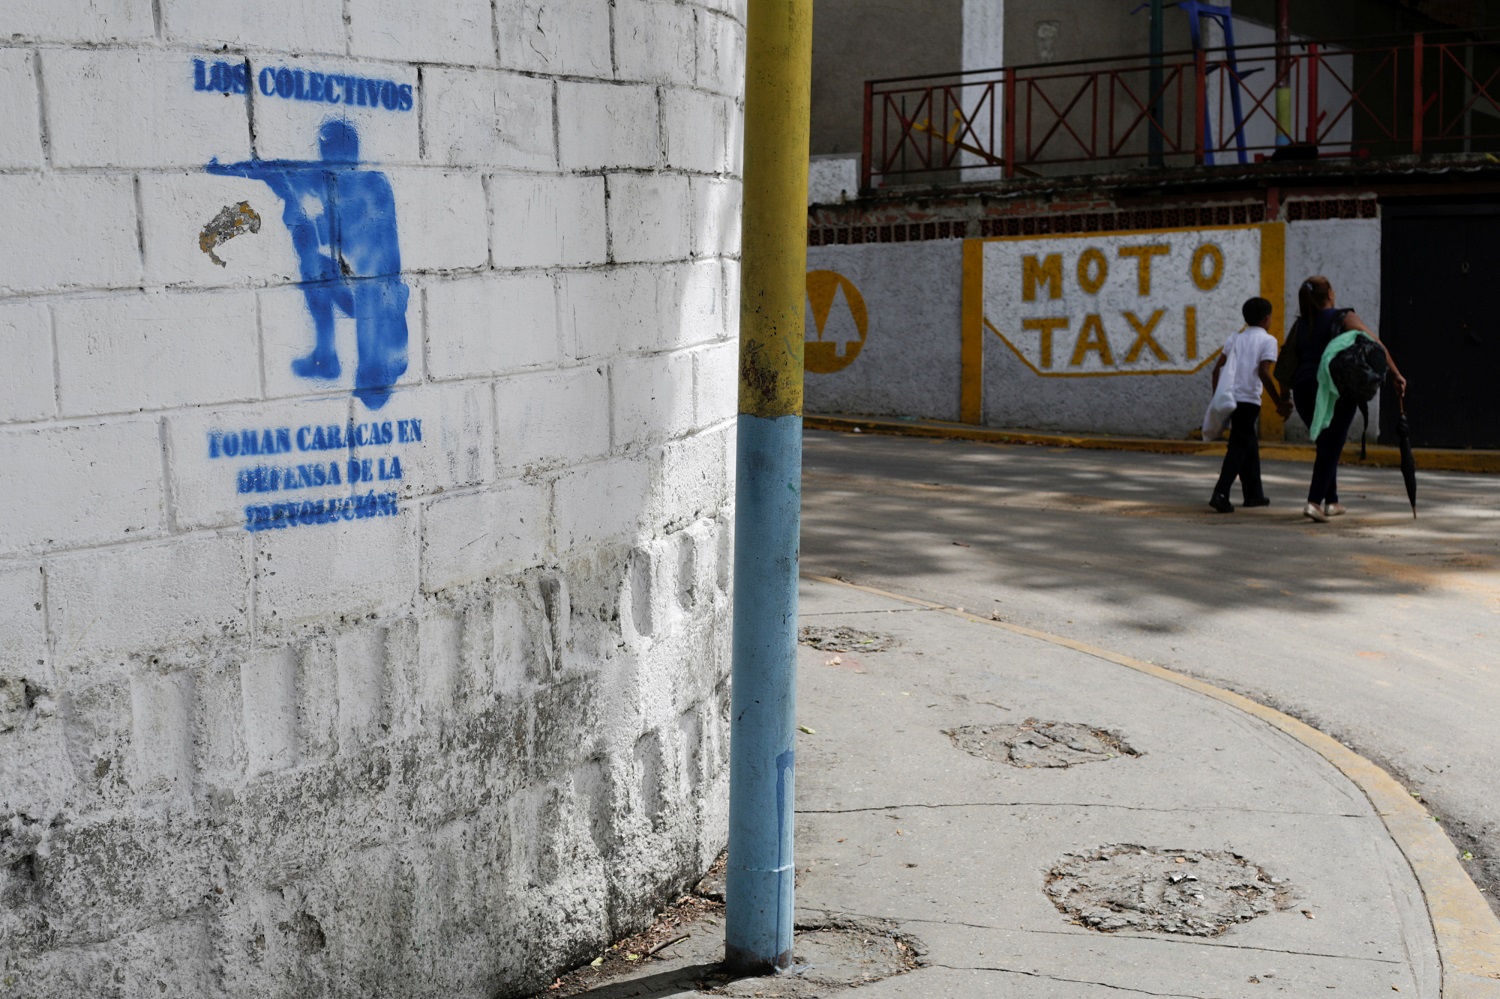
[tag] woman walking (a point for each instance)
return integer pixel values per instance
(1319, 322)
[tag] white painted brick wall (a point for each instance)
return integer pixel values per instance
(26, 381)
(650, 217)
(20, 125)
(361, 692)
(455, 31)
(155, 351)
(603, 125)
(283, 25)
(543, 221)
(48, 243)
(564, 37)
(131, 108)
(489, 119)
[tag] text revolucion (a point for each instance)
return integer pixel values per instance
(302, 85)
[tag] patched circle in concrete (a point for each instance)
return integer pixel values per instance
(1036, 743)
(835, 955)
(838, 638)
(1198, 893)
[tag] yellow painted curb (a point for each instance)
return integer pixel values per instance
(1380, 456)
(1467, 931)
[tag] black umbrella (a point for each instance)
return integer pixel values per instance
(1408, 463)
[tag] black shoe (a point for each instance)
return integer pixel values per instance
(1221, 503)
(1260, 501)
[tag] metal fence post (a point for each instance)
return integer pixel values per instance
(758, 895)
(1417, 109)
(866, 169)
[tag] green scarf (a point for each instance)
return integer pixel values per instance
(1327, 394)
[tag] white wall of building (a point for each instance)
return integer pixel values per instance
(267, 731)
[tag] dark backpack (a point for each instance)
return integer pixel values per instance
(1357, 372)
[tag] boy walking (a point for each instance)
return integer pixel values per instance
(1246, 361)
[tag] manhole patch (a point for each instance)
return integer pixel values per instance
(835, 955)
(1036, 743)
(838, 638)
(1197, 893)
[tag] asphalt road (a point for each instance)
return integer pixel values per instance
(1380, 630)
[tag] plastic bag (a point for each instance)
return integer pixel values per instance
(1220, 408)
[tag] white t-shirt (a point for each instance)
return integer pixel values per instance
(1243, 352)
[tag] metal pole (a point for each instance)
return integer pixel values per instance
(1284, 73)
(778, 68)
(1154, 136)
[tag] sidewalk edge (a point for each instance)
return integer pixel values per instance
(1466, 930)
(1379, 455)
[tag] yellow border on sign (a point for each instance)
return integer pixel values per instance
(1273, 290)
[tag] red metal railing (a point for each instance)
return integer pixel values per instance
(1415, 95)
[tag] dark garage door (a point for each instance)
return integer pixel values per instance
(1440, 286)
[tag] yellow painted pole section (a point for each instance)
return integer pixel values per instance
(778, 100)
(1273, 290)
(971, 352)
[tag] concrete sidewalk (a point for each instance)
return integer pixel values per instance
(912, 826)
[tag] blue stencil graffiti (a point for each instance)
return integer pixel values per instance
(343, 225)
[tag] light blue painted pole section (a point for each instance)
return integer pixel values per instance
(758, 931)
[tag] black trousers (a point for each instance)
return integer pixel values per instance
(1324, 487)
(1242, 457)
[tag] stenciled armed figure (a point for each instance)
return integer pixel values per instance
(343, 225)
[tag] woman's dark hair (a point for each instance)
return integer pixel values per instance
(1257, 311)
(1314, 294)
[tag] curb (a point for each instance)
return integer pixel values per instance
(1466, 930)
(1379, 455)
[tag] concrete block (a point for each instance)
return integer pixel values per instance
(556, 37)
(161, 730)
(308, 574)
(552, 418)
(488, 119)
(20, 110)
(74, 21)
(716, 216)
(175, 207)
(603, 125)
(154, 351)
(721, 54)
(48, 244)
(120, 601)
(717, 383)
(652, 398)
(541, 221)
(363, 677)
(446, 224)
(650, 217)
(612, 310)
(26, 382)
(696, 127)
(695, 311)
(734, 9)
(287, 333)
(102, 484)
(268, 696)
(379, 101)
(218, 732)
(486, 535)
(456, 426)
(280, 26)
(210, 487)
(135, 108)
(458, 31)
(696, 476)
(655, 41)
(23, 636)
(601, 502)
(490, 324)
